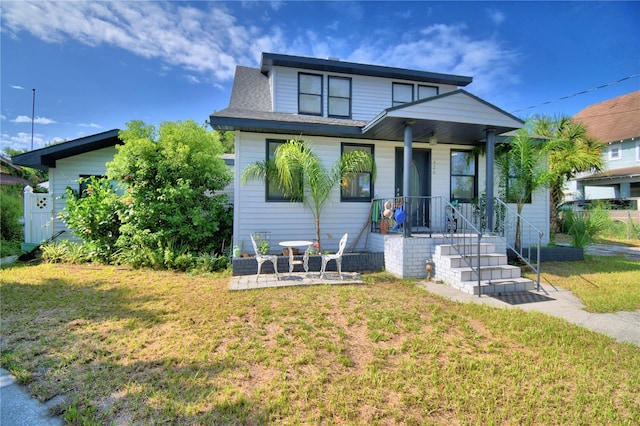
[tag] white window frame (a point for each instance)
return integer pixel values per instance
(618, 146)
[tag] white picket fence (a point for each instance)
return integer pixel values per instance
(38, 216)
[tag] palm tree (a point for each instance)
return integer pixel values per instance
(522, 170)
(301, 175)
(571, 151)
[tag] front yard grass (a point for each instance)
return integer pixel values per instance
(154, 347)
(603, 283)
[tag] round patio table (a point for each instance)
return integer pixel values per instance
(297, 243)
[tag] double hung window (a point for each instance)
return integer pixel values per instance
(339, 97)
(274, 191)
(464, 176)
(402, 93)
(359, 186)
(310, 94)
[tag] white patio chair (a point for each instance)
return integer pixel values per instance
(337, 257)
(261, 258)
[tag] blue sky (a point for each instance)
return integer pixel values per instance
(97, 65)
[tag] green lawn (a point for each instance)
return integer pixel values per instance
(603, 283)
(153, 347)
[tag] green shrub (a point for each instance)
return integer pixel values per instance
(10, 214)
(94, 217)
(65, 252)
(584, 227)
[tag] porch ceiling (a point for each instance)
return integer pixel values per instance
(455, 117)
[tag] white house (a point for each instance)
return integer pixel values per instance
(420, 127)
(616, 123)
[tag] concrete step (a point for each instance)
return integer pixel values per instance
(489, 259)
(496, 286)
(450, 249)
(499, 272)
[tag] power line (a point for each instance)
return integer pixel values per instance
(593, 89)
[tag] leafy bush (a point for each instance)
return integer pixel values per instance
(171, 175)
(65, 252)
(10, 213)
(94, 217)
(583, 227)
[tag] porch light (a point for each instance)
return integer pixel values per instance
(433, 140)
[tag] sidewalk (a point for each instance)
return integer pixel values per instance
(18, 408)
(622, 326)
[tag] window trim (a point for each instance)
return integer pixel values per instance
(368, 199)
(393, 93)
(475, 176)
(617, 145)
(320, 95)
(329, 97)
(271, 198)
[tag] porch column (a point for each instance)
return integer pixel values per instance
(406, 174)
(491, 140)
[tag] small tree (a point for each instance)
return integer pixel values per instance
(522, 168)
(571, 151)
(302, 175)
(94, 217)
(170, 175)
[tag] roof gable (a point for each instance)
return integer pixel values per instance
(613, 120)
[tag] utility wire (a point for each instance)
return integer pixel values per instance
(593, 89)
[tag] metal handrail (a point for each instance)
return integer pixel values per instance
(519, 251)
(468, 229)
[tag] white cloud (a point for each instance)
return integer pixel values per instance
(447, 49)
(37, 120)
(496, 16)
(92, 125)
(208, 41)
(21, 141)
(17, 87)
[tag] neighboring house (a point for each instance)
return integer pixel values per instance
(616, 123)
(338, 106)
(65, 164)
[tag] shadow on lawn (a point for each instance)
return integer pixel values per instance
(59, 337)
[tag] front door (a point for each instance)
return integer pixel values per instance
(420, 185)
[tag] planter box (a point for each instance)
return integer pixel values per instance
(553, 254)
(351, 262)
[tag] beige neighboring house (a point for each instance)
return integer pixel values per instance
(616, 123)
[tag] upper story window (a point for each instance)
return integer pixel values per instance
(339, 97)
(427, 91)
(273, 191)
(638, 151)
(464, 176)
(358, 187)
(402, 93)
(615, 152)
(310, 94)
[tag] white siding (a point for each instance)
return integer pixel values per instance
(286, 220)
(370, 95)
(66, 174)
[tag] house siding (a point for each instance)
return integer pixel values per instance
(292, 220)
(66, 174)
(370, 95)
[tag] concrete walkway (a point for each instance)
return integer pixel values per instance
(622, 326)
(18, 408)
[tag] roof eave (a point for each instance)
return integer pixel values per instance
(270, 60)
